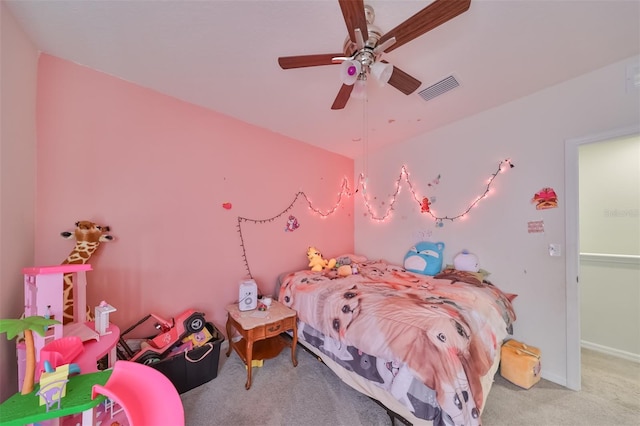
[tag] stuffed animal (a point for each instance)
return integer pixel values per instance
(424, 258)
(344, 270)
(465, 261)
(344, 266)
(317, 262)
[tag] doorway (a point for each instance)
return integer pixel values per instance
(572, 238)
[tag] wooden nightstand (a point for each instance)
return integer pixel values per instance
(260, 331)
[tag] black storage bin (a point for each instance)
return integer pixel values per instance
(193, 368)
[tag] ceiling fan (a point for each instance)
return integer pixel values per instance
(362, 57)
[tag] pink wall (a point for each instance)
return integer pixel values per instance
(18, 68)
(157, 170)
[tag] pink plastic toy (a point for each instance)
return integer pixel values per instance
(61, 351)
(171, 332)
(52, 393)
(145, 394)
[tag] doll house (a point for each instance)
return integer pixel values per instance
(43, 296)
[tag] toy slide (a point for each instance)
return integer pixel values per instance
(147, 396)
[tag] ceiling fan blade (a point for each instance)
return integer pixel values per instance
(354, 17)
(288, 62)
(437, 13)
(343, 97)
(403, 81)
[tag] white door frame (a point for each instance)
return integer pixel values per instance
(572, 234)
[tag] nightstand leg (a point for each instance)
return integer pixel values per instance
(249, 362)
(294, 343)
(229, 336)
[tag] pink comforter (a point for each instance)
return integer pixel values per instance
(446, 331)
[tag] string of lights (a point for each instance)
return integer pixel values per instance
(344, 191)
(362, 182)
(503, 166)
(404, 175)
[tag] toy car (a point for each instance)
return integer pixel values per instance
(171, 333)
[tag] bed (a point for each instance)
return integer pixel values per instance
(425, 347)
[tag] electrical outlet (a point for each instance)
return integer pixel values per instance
(555, 250)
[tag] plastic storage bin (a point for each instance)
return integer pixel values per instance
(195, 367)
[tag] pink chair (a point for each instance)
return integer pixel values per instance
(146, 395)
(60, 351)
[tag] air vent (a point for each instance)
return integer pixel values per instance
(439, 88)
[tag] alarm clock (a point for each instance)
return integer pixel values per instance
(248, 295)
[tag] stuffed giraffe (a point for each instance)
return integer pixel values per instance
(88, 237)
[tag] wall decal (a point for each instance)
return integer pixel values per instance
(544, 199)
(425, 205)
(434, 182)
(292, 224)
(422, 236)
(535, 226)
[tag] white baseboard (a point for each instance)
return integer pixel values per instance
(552, 377)
(562, 381)
(611, 351)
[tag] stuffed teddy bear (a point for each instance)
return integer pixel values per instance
(316, 262)
(424, 258)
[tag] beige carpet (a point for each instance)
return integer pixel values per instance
(610, 395)
(311, 394)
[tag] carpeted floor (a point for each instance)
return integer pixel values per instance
(610, 395)
(311, 394)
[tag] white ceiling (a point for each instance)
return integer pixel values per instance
(223, 55)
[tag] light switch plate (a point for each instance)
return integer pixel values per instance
(555, 250)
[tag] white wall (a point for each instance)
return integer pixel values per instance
(532, 132)
(609, 181)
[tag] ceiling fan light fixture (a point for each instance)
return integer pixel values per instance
(381, 72)
(349, 72)
(365, 43)
(360, 88)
